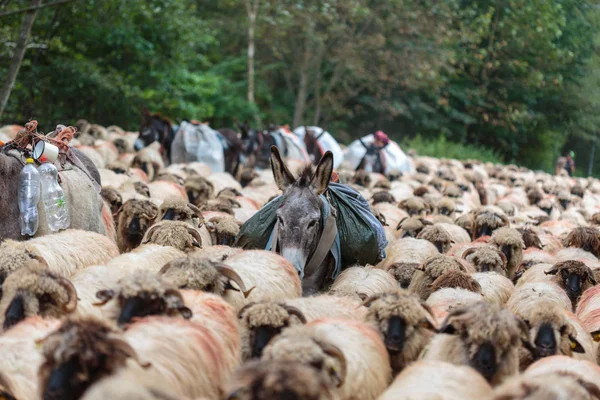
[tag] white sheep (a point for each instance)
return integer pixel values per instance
(362, 282)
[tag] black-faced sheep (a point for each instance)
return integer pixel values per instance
(414, 206)
(174, 209)
(486, 259)
(33, 290)
(584, 238)
(113, 198)
(134, 219)
(483, 336)
(177, 234)
(574, 277)
(432, 269)
(382, 197)
(405, 323)
(411, 227)
(456, 279)
(443, 236)
(487, 219)
(198, 189)
(510, 242)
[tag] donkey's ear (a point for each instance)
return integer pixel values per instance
(281, 173)
(320, 180)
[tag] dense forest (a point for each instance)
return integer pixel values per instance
(519, 78)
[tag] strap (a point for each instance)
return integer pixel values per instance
(275, 237)
(77, 162)
(319, 135)
(325, 242)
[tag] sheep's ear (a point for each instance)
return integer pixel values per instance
(243, 309)
(400, 223)
(322, 176)
(576, 347)
(448, 329)
(592, 279)
(552, 271)
(524, 334)
(429, 321)
(281, 173)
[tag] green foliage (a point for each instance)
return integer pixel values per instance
(519, 77)
(442, 148)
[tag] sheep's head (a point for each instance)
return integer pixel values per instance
(247, 176)
(546, 205)
(141, 188)
(530, 238)
(175, 209)
(574, 277)
(34, 290)
(510, 242)
(456, 279)
(466, 222)
(445, 206)
(275, 380)
(403, 272)
(432, 269)
(421, 191)
(508, 207)
(362, 178)
(264, 321)
(223, 230)
(486, 259)
(584, 238)
(487, 220)
(414, 206)
(219, 205)
(141, 294)
(198, 189)
(134, 219)
(382, 197)
(411, 226)
(490, 337)
(113, 198)
(13, 256)
(452, 190)
(118, 167)
(143, 161)
(564, 199)
(176, 234)
(438, 236)
(170, 177)
(578, 191)
(296, 345)
(405, 322)
(383, 184)
(229, 193)
(550, 333)
(422, 168)
(554, 385)
(79, 353)
(196, 272)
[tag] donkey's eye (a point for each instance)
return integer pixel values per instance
(280, 220)
(312, 224)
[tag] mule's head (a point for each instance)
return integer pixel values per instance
(299, 216)
(152, 129)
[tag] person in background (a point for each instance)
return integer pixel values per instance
(380, 141)
(570, 165)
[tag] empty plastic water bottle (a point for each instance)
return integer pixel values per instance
(53, 197)
(29, 196)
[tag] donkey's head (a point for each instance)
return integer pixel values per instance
(299, 215)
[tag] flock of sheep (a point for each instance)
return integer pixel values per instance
(488, 291)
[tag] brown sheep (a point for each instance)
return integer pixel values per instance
(421, 191)
(198, 189)
(79, 353)
(432, 269)
(486, 259)
(414, 206)
(550, 333)
(362, 178)
(584, 238)
(382, 197)
(574, 277)
(510, 242)
(445, 206)
(33, 290)
(405, 323)
(278, 380)
(174, 209)
(223, 229)
(444, 235)
(141, 188)
(261, 322)
(456, 279)
(483, 336)
(530, 238)
(134, 219)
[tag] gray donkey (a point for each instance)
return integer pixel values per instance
(303, 234)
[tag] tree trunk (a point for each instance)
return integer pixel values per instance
(318, 78)
(252, 11)
(17, 59)
(302, 86)
(591, 164)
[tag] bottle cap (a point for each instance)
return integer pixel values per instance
(30, 160)
(43, 159)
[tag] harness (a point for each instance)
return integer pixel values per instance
(328, 242)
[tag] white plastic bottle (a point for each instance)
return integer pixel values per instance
(29, 196)
(53, 197)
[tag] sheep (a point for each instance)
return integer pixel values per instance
(404, 256)
(574, 277)
(175, 234)
(486, 259)
(444, 236)
(466, 222)
(510, 242)
(362, 282)
(382, 197)
(585, 370)
(528, 294)
(349, 354)
(124, 384)
(161, 190)
(33, 290)
(586, 238)
(113, 198)
(496, 288)
(487, 219)
(556, 385)
(198, 272)
(425, 380)
(273, 380)
(273, 277)
(550, 333)
(149, 161)
(21, 357)
(64, 252)
(587, 311)
(223, 230)
(432, 269)
(175, 209)
(134, 219)
(455, 279)
(260, 322)
(530, 238)
(77, 354)
(405, 323)
(410, 227)
(414, 206)
(483, 336)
